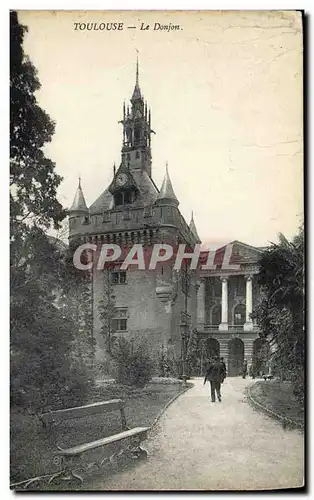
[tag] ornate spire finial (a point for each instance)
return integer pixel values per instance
(137, 92)
(79, 181)
(137, 79)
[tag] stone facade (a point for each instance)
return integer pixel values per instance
(132, 210)
(163, 305)
(226, 298)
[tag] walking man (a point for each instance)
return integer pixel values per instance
(214, 376)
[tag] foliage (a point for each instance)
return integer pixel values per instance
(33, 178)
(280, 313)
(260, 361)
(47, 323)
(48, 314)
(75, 299)
(193, 354)
(107, 311)
(168, 364)
(134, 365)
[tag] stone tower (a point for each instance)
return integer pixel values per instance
(159, 305)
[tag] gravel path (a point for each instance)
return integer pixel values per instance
(215, 446)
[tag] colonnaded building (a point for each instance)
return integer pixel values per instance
(164, 306)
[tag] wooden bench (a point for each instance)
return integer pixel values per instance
(267, 377)
(68, 458)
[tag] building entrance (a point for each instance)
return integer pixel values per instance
(235, 357)
(212, 348)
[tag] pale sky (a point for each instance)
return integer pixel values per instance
(226, 98)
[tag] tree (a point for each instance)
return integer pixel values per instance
(281, 311)
(33, 179)
(44, 311)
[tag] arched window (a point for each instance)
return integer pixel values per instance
(239, 314)
(212, 348)
(216, 315)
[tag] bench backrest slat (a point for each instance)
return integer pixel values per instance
(82, 411)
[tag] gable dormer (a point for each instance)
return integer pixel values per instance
(123, 187)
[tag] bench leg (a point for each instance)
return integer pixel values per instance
(136, 450)
(67, 473)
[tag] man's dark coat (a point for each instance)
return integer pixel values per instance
(215, 372)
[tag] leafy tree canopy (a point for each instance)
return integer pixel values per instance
(280, 313)
(33, 179)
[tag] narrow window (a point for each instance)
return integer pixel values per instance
(118, 277)
(119, 322)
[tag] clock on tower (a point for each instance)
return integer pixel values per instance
(121, 179)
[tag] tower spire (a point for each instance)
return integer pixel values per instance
(166, 194)
(193, 229)
(137, 91)
(79, 203)
(137, 78)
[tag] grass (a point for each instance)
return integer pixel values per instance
(278, 397)
(32, 448)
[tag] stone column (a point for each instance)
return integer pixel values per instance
(200, 312)
(224, 304)
(248, 325)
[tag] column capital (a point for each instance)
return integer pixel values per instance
(224, 278)
(248, 277)
(200, 282)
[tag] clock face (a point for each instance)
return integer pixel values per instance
(121, 179)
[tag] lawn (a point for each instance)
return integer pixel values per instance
(278, 397)
(32, 448)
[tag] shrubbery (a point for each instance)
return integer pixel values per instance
(280, 313)
(133, 363)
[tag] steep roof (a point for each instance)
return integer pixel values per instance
(192, 227)
(102, 203)
(79, 203)
(166, 192)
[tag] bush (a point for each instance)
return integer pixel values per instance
(133, 364)
(61, 388)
